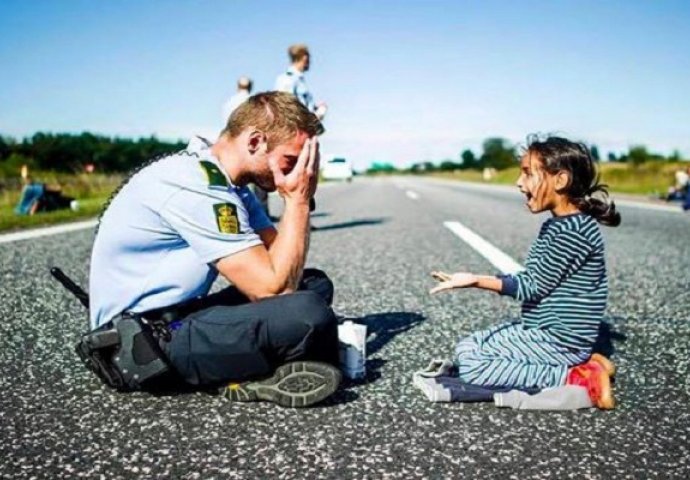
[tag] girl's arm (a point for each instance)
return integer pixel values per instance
(562, 255)
(465, 280)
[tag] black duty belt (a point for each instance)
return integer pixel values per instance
(125, 352)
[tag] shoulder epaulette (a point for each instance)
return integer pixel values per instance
(213, 174)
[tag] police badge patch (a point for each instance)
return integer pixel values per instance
(226, 218)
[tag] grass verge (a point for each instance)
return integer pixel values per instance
(652, 178)
(88, 208)
(91, 191)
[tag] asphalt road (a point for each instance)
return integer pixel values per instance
(378, 242)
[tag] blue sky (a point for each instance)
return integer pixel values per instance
(405, 81)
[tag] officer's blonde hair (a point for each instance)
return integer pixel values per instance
(278, 115)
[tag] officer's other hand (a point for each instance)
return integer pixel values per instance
(299, 184)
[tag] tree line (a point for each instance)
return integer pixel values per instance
(65, 152)
(500, 153)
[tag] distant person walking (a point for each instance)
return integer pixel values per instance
(293, 81)
(244, 89)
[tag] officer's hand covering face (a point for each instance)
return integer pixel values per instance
(284, 155)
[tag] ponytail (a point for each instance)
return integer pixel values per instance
(599, 207)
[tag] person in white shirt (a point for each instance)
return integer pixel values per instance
(681, 187)
(244, 89)
(292, 81)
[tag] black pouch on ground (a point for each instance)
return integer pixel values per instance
(124, 354)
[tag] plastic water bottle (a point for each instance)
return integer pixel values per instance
(353, 349)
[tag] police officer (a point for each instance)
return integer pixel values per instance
(293, 81)
(183, 219)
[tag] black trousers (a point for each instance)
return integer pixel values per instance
(224, 337)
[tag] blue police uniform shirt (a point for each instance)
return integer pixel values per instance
(293, 82)
(159, 238)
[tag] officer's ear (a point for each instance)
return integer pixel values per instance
(257, 142)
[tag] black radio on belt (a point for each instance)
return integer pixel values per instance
(124, 353)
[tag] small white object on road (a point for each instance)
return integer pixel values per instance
(495, 256)
(412, 195)
(353, 349)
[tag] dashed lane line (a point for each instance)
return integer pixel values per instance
(495, 256)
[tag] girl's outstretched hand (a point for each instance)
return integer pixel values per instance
(450, 281)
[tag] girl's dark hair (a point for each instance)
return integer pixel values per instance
(559, 154)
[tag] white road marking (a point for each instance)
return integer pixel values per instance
(495, 256)
(42, 232)
(412, 195)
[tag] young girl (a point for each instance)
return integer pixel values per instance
(563, 289)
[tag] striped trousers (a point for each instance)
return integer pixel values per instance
(508, 355)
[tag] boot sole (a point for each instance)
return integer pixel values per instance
(293, 385)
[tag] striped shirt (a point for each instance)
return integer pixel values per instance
(564, 287)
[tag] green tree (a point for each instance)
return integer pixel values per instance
(69, 152)
(638, 155)
(6, 144)
(675, 157)
(594, 151)
(449, 166)
(497, 153)
(381, 167)
(469, 160)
